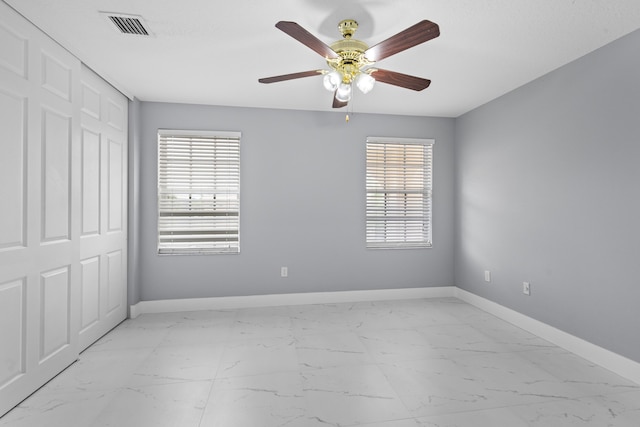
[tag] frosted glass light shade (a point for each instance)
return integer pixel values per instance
(365, 82)
(343, 94)
(331, 81)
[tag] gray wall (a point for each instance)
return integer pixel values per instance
(302, 206)
(547, 192)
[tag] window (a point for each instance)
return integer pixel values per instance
(198, 192)
(399, 188)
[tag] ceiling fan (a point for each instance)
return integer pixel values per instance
(351, 61)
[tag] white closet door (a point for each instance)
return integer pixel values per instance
(48, 267)
(103, 215)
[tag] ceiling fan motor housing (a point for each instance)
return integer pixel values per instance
(351, 52)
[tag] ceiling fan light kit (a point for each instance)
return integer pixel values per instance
(343, 93)
(351, 60)
(365, 82)
(332, 80)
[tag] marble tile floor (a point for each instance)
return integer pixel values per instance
(412, 363)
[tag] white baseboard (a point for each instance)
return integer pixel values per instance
(614, 362)
(607, 359)
(253, 301)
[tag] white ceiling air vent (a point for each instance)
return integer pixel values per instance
(127, 24)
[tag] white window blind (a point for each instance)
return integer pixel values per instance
(399, 186)
(198, 192)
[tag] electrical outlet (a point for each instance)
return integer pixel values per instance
(284, 271)
(487, 276)
(526, 288)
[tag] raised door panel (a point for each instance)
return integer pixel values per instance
(90, 290)
(115, 279)
(116, 114)
(116, 189)
(56, 176)
(13, 348)
(91, 167)
(13, 50)
(91, 101)
(56, 76)
(55, 312)
(13, 170)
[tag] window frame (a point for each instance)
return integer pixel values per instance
(216, 214)
(377, 216)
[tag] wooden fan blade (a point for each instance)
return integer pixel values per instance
(399, 79)
(337, 103)
(419, 33)
(307, 39)
(291, 76)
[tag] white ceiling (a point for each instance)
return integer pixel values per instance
(213, 51)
